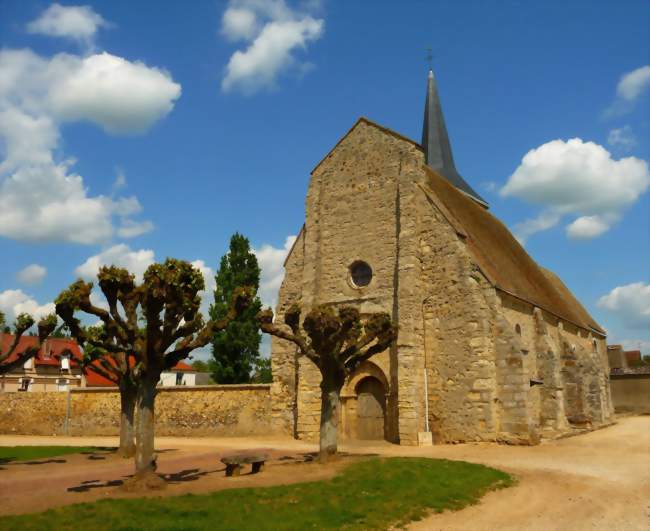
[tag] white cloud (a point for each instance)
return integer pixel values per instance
(634, 83)
(207, 295)
(622, 138)
(120, 180)
(41, 199)
(271, 262)
(238, 24)
(14, 302)
(80, 23)
(588, 227)
(630, 87)
(131, 229)
(576, 178)
(31, 275)
(273, 32)
(631, 303)
(118, 95)
(121, 255)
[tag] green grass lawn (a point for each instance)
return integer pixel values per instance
(370, 494)
(28, 453)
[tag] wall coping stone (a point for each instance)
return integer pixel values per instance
(183, 388)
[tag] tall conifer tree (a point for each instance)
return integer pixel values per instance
(236, 349)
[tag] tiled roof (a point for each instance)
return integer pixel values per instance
(503, 260)
(50, 352)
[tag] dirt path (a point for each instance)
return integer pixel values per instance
(599, 480)
(596, 481)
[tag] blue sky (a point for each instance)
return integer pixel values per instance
(132, 134)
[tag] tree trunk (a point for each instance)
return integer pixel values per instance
(128, 394)
(145, 477)
(329, 419)
(144, 435)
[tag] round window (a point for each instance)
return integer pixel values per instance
(360, 274)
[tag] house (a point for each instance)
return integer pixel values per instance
(54, 368)
(491, 346)
(181, 374)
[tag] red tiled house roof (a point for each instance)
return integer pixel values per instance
(49, 353)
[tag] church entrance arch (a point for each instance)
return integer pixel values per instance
(371, 409)
(364, 400)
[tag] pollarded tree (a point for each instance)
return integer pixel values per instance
(336, 342)
(158, 322)
(23, 323)
(118, 368)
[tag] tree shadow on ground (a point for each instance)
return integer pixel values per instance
(16, 461)
(308, 457)
(189, 474)
(86, 486)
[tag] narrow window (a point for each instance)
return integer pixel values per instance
(518, 329)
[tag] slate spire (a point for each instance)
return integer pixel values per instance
(435, 142)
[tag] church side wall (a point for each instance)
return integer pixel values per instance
(572, 364)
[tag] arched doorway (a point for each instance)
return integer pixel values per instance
(371, 409)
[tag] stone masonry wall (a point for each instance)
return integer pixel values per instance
(460, 354)
(218, 410)
(572, 364)
(284, 360)
(352, 213)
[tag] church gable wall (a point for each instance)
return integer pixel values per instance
(352, 215)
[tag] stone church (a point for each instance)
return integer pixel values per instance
(491, 347)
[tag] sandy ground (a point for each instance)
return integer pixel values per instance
(599, 480)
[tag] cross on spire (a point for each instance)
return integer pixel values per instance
(430, 58)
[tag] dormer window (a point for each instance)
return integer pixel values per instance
(65, 362)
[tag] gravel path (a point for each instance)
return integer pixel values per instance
(599, 480)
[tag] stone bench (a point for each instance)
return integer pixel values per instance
(234, 463)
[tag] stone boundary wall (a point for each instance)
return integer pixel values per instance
(631, 393)
(210, 410)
